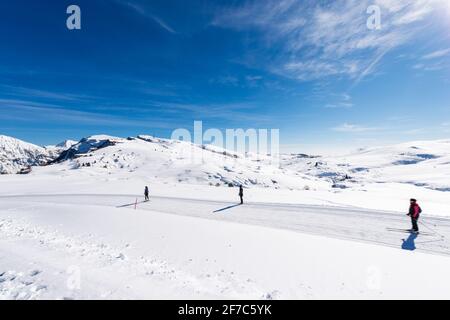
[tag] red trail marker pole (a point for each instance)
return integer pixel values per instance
(135, 205)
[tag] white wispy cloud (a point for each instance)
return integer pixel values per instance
(226, 80)
(339, 105)
(23, 110)
(446, 126)
(437, 54)
(235, 81)
(353, 128)
(414, 131)
(228, 111)
(163, 24)
(43, 94)
(316, 40)
(437, 66)
(146, 13)
(344, 101)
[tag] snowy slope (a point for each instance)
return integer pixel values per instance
(166, 160)
(423, 163)
(16, 155)
(55, 249)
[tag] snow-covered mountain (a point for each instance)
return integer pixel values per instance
(17, 155)
(422, 163)
(176, 161)
(56, 150)
(66, 144)
(87, 145)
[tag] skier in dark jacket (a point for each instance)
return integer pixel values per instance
(414, 213)
(241, 194)
(146, 194)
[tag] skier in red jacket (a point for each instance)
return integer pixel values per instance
(414, 213)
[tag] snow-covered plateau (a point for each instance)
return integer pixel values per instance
(74, 224)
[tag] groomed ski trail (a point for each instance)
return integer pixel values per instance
(347, 223)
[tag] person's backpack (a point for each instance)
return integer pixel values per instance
(420, 209)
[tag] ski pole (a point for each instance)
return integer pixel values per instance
(429, 228)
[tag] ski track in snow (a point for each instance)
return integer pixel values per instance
(336, 222)
(25, 285)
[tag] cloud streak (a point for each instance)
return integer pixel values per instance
(42, 94)
(437, 54)
(26, 111)
(310, 40)
(353, 128)
(345, 102)
(145, 13)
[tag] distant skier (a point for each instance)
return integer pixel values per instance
(146, 194)
(241, 194)
(414, 213)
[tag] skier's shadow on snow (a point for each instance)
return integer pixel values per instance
(228, 208)
(409, 244)
(131, 204)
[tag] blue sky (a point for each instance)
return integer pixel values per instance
(309, 68)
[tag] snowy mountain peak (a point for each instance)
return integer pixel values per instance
(88, 144)
(17, 155)
(175, 161)
(13, 144)
(66, 144)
